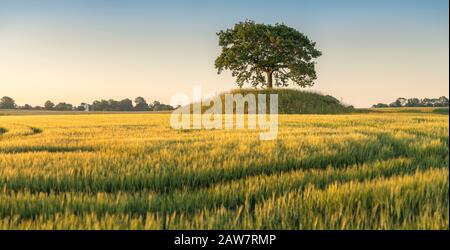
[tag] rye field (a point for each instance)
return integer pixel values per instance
(378, 170)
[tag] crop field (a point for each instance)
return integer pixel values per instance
(380, 170)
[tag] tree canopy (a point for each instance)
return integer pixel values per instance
(415, 102)
(7, 103)
(102, 105)
(49, 105)
(141, 104)
(259, 53)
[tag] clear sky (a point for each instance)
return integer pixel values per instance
(79, 51)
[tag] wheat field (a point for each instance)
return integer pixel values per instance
(132, 171)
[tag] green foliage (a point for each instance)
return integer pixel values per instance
(141, 104)
(26, 106)
(102, 105)
(157, 106)
(62, 106)
(125, 105)
(416, 102)
(49, 105)
(7, 103)
(256, 53)
(380, 105)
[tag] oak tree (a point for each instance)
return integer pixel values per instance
(267, 54)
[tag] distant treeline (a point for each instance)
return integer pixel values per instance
(140, 104)
(415, 102)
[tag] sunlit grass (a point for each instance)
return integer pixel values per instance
(132, 171)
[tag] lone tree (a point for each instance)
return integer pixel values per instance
(260, 53)
(7, 103)
(49, 105)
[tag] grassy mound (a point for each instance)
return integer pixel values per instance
(292, 101)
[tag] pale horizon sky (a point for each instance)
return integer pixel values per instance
(80, 51)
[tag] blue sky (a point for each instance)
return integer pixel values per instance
(78, 51)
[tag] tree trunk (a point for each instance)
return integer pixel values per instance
(269, 79)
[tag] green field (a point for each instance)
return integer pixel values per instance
(380, 170)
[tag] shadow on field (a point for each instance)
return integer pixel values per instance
(383, 147)
(441, 111)
(35, 130)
